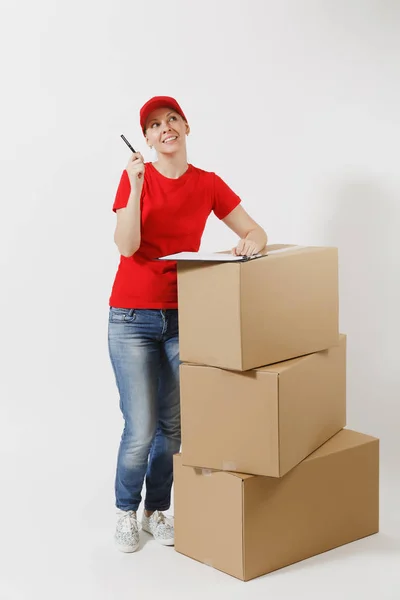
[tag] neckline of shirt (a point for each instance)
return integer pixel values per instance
(172, 179)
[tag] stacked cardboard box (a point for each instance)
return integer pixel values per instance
(268, 475)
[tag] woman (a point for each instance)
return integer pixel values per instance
(162, 208)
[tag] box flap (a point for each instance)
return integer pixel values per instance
(345, 439)
(209, 472)
(275, 368)
(292, 362)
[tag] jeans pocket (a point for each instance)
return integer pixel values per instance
(122, 315)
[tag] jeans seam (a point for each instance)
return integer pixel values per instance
(147, 507)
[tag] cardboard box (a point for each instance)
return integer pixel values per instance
(248, 525)
(242, 315)
(264, 421)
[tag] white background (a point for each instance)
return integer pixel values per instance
(296, 105)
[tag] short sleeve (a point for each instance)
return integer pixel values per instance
(224, 199)
(123, 191)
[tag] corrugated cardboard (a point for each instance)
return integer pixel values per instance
(242, 315)
(264, 421)
(248, 525)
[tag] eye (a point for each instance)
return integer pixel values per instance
(152, 126)
(173, 117)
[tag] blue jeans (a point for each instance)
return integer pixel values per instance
(144, 352)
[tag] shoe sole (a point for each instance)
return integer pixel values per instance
(165, 542)
(126, 549)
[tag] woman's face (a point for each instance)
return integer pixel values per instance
(166, 130)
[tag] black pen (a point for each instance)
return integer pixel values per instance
(127, 143)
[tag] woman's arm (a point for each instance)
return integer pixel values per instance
(127, 232)
(252, 236)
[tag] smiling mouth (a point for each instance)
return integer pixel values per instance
(170, 139)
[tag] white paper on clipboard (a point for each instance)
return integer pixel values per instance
(207, 256)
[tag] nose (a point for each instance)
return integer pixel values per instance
(166, 127)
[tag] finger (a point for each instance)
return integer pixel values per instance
(137, 164)
(246, 248)
(136, 156)
(251, 247)
(240, 247)
(132, 163)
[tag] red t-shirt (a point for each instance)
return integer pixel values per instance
(174, 213)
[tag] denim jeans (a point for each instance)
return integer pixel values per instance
(144, 352)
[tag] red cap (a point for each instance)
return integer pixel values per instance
(158, 102)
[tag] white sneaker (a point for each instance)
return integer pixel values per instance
(160, 526)
(127, 531)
